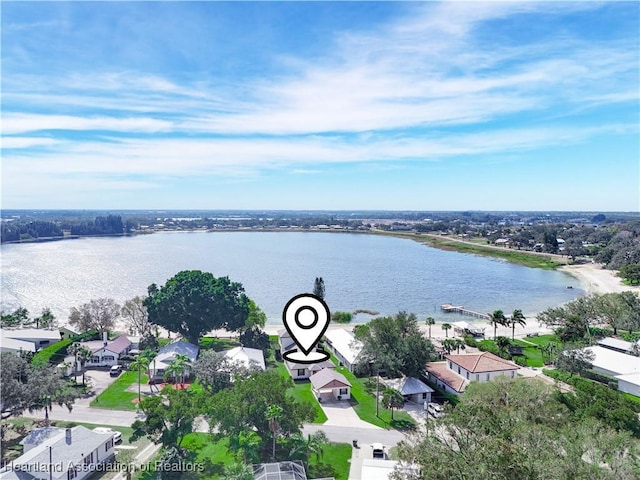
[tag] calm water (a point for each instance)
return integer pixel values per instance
(385, 274)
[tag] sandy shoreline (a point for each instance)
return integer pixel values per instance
(596, 279)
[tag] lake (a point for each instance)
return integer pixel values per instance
(380, 273)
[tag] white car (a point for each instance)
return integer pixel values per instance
(435, 410)
(117, 436)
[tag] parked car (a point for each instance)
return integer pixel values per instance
(378, 450)
(435, 409)
(117, 436)
(115, 370)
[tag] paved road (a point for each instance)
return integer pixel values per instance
(347, 434)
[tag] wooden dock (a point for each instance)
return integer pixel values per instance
(447, 308)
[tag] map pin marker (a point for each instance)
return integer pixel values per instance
(306, 317)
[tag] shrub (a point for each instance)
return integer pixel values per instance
(341, 317)
(522, 361)
(470, 341)
(53, 354)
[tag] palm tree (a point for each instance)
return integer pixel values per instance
(517, 318)
(173, 371)
(303, 448)
(459, 344)
(238, 471)
(274, 415)
(84, 356)
(249, 442)
(448, 344)
(430, 321)
(74, 349)
(139, 363)
(446, 327)
(497, 318)
(502, 343)
(184, 361)
(391, 398)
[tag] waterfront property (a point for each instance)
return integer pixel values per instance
(412, 389)
(623, 367)
(107, 353)
(38, 337)
(457, 371)
(251, 358)
(618, 345)
(285, 341)
(302, 371)
(74, 453)
(344, 346)
(167, 354)
(329, 385)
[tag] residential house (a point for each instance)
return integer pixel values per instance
(412, 389)
(167, 354)
(67, 332)
(618, 345)
(455, 373)
(39, 337)
(16, 346)
(302, 371)
(107, 353)
(329, 385)
(344, 346)
(67, 454)
(285, 341)
(379, 469)
(463, 328)
(623, 367)
(249, 357)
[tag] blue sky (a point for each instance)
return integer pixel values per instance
(318, 105)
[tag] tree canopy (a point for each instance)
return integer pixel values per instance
(193, 302)
(394, 344)
(97, 314)
(508, 429)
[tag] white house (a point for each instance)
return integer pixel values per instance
(613, 363)
(302, 371)
(616, 344)
(16, 346)
(248, 357)
(379, 469)
(67, 332)
(285, 341)
(412, 389)
(167, 354)
(39, 337)
(344, 346)
(107, 353)
(68, 454)
(629, 383)
(329, 385)
(455, 373)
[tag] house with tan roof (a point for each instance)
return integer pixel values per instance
(329, 385)
(457, 371)
(302, 371)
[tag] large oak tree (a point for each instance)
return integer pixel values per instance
(193, 302)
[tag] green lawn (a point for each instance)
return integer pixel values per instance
(214, 452)
(218, 344)
(116, 397)
(543, 339)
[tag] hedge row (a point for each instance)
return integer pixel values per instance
(53, 354)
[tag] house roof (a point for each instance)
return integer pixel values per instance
(13, 344)
(378, 469)
(39, 435)
(482, 362)
(472, 327)
(616, 362)
(178, 347)
(325, 376)
(31, 333)
(118, 345)
(616, 343)
(247, 356)
(345, 343)
(280, 471)
(408, 385)
(283, 333)
(441, 371)
(311, 366)
(83, 442)
(633, 378)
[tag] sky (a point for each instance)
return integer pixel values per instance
(321, 105)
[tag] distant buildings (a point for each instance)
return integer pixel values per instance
(37, 337)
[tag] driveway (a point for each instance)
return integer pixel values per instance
(342, 414)
(99, 381)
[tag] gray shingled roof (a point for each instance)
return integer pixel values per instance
(408, 385)
(83, 442)
(39, 435)
(327, 375)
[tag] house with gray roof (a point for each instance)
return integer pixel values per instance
(302, 371)
(107, 353)
(69, 454)
(412, 389)
(329, 385)
(167, 354)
